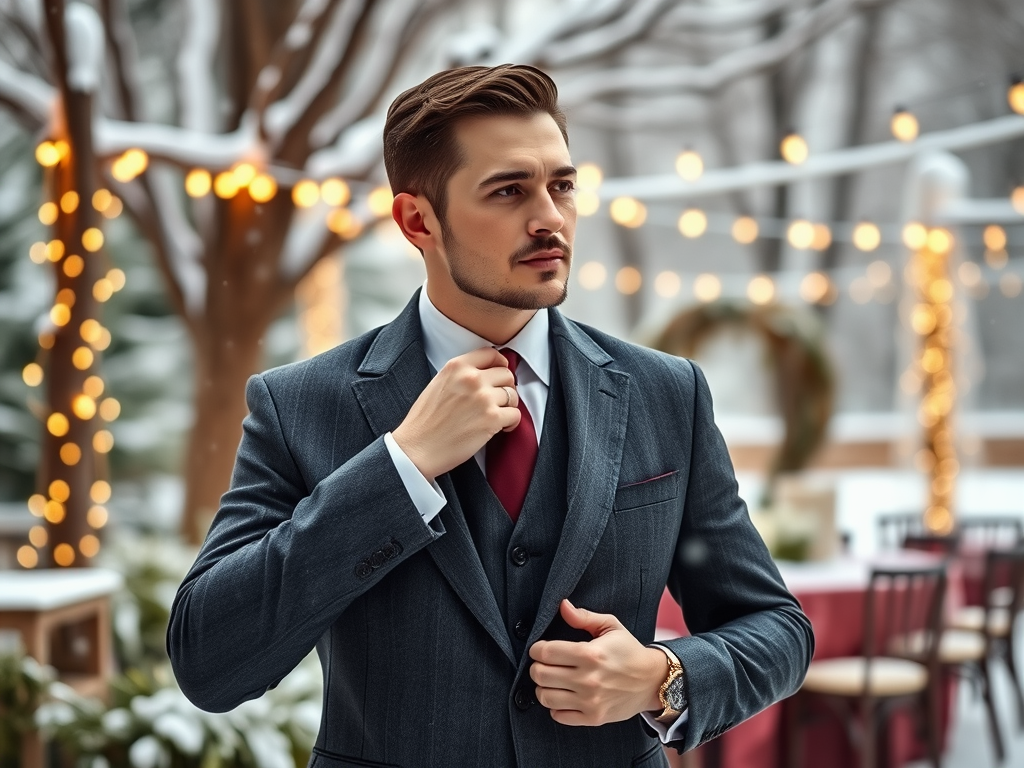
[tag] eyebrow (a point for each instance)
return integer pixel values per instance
(506, 176)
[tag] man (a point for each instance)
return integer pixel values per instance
(473, 511)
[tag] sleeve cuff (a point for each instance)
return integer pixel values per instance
(666, 732)
(426, 495)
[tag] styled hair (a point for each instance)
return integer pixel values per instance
(421, 152)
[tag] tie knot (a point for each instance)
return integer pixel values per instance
(513, 358)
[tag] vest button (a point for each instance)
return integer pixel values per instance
(523, 699)
(520, 556)
(522, 630)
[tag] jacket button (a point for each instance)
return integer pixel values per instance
(520, 556)
(377, 559)
(523, 699)
(363, 569)
(390, 550)
(522, 630)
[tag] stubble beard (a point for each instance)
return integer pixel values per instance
(512, 298)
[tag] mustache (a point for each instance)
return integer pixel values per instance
(542, 244)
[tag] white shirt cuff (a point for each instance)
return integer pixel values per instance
(426, 495)
(665, 731)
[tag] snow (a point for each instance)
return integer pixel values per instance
(27, 92)
(85, 47)
(182, 146)
(357, 149)
(196, 60)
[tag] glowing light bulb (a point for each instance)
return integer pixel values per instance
(627, 212)
(64, 555)
(1017, 199)
(27, 557)
(48, 214)
(306, 193)
(70, 454)
(244, 173)
(693, 223)
(800, 234)
(915, 236)
(47, 154)
(82, 358)
(628, 280)
(198, 182)
(866, 236)
(707, 288)
(60, 491)
(84, 407)
(592, 275)
(589, 176)
(793, 149)
(92, 239)
(904, 125)
(994, 237)
(101, 199)
(103, 441)
(744, 230)
(344, 223)
(224, 185)
(89, 545)
(1015, 96)
(32, 374)
(822, 237)
(99, 492)
(69, 202)
(587, 202)
(379, 201)
(761, 290)
(97, 516)
(814, 287)
(689, 165)
(335, 192)
(667, 284)
(74, 265)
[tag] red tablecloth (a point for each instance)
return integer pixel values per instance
(832, 596)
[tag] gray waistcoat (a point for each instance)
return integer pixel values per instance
(517, 558)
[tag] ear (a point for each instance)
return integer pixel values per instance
(411, 213)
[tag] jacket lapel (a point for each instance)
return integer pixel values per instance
(396, 372)
(597, 408)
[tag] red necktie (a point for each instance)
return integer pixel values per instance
(511, 455)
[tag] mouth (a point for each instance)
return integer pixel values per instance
(544, 259)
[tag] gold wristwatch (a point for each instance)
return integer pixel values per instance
(672, 693)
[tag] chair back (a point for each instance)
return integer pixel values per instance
(905, 602)
(1004, 582)
(991, 531)
(894, 527)
(929, 542)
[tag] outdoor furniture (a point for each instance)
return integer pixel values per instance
(895, 527)
(901, 604)
(63, 618)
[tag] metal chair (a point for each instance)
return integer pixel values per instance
(898, 603)
(991, 531)
(894, 527)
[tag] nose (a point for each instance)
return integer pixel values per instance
(546, 218)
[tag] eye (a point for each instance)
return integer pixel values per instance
(565, 186)
(507, 191)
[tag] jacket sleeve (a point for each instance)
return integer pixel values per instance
(750, 642)
(282, 562)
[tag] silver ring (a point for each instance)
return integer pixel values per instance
(508, 396)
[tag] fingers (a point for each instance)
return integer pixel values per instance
(485, 357)
(594, 623)
(563, 653)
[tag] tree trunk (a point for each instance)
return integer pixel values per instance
(222, 366)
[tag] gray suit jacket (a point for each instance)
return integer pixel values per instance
(318, 544)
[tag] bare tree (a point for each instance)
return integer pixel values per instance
(306, 83)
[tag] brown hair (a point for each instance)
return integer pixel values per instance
(420, 149)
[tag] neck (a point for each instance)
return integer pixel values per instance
(494, 322)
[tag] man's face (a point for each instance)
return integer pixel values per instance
(511, 216)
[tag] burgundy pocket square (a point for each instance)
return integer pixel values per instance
(650, 479)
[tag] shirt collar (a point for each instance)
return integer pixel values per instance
(444, 339)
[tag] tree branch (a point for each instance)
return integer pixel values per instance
(733, 66)
(530, 45)
(26, 93)
(196, 81)
(282, 115)
(180, 146)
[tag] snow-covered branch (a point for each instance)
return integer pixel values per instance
(529, 45)
(374, 72)
(196, 79)
(281, 116)
(354, 154)
(85, 47)
(837, 162)
(26, 93)
(730, 67)
(180, 146)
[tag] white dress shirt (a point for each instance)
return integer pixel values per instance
(444, 339)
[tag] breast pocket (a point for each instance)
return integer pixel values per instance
(645, 493)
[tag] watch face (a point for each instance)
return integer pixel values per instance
(675, 694)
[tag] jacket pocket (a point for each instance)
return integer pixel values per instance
(647, 492)
(321, 758)
(652, 758)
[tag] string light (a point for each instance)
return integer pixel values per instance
(306, 193)
(70, 454)
(592, 275)
(693, 223)
(60, 315)
(198, 183)
(800, 234)
(1010, 285)
(689, 165)
(940, 240)
(335, 192)
(117, 279)
(48, 154)
(587, 202)
(793, 148)
(379, 201)
(110, 409)
(814, 287)
(969, 274)
(879, 274)
(102, 290)
(994, 237)
(64, 555)
(628, 280)
(82, 358)
(822, 237)
(69, 201)
(904, 125)
(866, 236)
(27, 557)
(103, 441)
(37, 536)
(1015, 95)
(1017, 199)
(627, 212)
(761, 290)
(54, 512)
(83, 406)
(92, 239)
(36, 504)
(37, 252)
(129, 165)
(707, 288)
(60, 491)
(114, 209)
(915, 235)
(93, 387)
(32, 374)
(589, 176)
(89, 545)
(744, 230)
(48, 214)
(996, 259)
(344, 223)
(55, 250)
(243, 174)
(667, 284)
(101, 199)
(225, 186)
(74, 265)
(97, 516)
(100, 491)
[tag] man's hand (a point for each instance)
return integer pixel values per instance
(604, 680)
(461, 408)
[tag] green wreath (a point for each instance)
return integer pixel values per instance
(805, 380)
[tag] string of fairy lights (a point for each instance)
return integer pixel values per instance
(928, 273)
